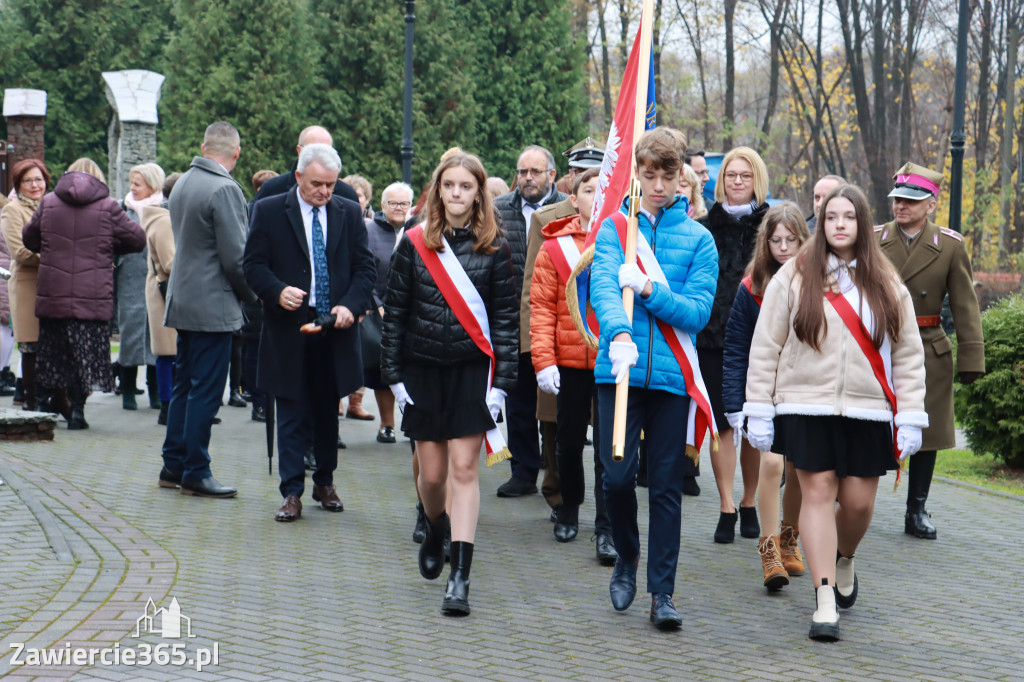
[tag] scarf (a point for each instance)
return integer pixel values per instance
(29, 203)
(742, 209)
(137, 205)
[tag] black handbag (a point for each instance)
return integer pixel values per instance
(369, 335)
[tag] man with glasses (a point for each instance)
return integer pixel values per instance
(694, 158)
(535, 187)
(933, 263)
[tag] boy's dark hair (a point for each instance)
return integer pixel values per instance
(661, 148)
(588, 174)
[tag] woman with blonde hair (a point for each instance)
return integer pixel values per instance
(783, 232)
(740, 204)
(450, 352)
(690, 188)
(130, 274)
(837, 370)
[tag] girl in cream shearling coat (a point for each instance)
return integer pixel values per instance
(808, 373)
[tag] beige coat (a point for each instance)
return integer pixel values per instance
(934, 263)
(156, 221)
(787, 376)
(25, 273)
(547, 404)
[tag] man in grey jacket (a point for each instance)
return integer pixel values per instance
(204, 294)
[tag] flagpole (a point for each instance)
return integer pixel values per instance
(643, 66)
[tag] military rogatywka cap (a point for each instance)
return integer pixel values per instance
(916, 183)
(588, 153)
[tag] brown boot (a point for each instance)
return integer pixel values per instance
(775, 576)
(791, 559)
(355, 408)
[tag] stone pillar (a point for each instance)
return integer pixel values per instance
(25, 111)
(131, 140)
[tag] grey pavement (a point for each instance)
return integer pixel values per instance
(88, 537)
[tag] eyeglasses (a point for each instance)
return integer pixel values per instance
(746, 178)
(34, 181)
(777, 241)
(398, 204)
(527, 172)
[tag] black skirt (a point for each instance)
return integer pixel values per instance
(850, 447)
(74, 354)
(449, 402)
(710, 361)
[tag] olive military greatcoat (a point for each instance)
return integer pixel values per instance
(934, 263)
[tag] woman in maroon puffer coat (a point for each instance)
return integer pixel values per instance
(77, 231)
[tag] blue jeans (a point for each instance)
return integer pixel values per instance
(200, 370)
(662, 417)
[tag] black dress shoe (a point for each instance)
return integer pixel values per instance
(259, 414)
(606, 554)
(168, 478)
(690, 486)
(236, 399)
(341, 443)
(246, 395)
(207, 487)
(309, 460)
(554, 514)
(663, 612)
(567, 525)
(215, 421)
(516, 487)
(622, 587)
(386, 434)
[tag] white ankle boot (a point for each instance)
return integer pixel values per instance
(825, 621)
(846, 582)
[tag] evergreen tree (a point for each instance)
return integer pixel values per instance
(243, 61)
(363, 73)
(528, 77)
(63, 47)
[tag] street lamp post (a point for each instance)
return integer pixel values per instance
(958, 138)
(410, 19)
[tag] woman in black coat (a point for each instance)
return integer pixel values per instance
(440, 375)
(740, 193)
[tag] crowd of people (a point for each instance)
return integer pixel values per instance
(807, 350)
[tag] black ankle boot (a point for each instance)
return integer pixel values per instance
(77, 421)
(431, 557)
(420, 531)
(456, 596)
(917, 521)
(152, 387)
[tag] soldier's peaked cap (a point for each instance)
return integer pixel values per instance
(915, 183)
(588, 153)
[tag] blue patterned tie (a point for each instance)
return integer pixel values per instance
(323, 281)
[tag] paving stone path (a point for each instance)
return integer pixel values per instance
(86, 538)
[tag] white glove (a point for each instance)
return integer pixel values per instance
(736, 422)
(495, 399)
(908, 440)
(549, 380)
(760, 432)
(631, 276)
(401, 396)
(623, 355)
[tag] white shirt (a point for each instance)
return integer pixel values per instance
(306, 210)
(528, 210)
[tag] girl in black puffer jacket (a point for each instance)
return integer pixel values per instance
(440, 375)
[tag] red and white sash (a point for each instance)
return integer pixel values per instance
(564, 254)
(846, 305)
(470, 310)
(700, 418)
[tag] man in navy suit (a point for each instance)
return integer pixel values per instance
(307, 255)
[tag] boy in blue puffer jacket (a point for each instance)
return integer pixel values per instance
(658, 393)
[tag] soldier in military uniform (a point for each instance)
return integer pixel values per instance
(933, 262)
(585, 154)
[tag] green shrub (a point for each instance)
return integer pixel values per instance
(991, 410)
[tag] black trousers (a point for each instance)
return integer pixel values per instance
(575, 396)
(316, 408)
(523, 427)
